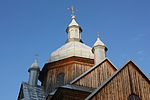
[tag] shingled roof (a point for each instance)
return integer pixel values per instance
(71, 90)
(80, 88)
(31, 92)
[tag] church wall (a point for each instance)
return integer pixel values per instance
(97, 76)
(128, 81)
(71, 71)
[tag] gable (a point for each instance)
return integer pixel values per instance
(126, 81)
(96, 75)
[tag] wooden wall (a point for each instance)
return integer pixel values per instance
(94, 78)
(71, 69)
(128, 81)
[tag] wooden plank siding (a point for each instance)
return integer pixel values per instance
(97, 76)
(71, 70)
(129, 80)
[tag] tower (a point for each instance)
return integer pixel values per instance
(34, 73)
(99, 49)
(69, 61)
(74, 31)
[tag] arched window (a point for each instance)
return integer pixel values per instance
(133, 97)
(60, 79)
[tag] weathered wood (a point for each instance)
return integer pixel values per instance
(96, 77)
(127, 82)
(71, 69)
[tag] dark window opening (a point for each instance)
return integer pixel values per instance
(60, 79)
(134, 97)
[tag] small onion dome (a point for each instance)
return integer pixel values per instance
(73, 23)
(99, 43)
(34, 66)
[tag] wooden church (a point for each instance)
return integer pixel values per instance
(76, 71)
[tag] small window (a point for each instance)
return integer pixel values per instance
(60, 79)
(134, 97)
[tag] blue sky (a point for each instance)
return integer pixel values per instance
(28, 27)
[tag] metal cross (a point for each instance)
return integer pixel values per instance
(72, 10)
(36, 56)
(98, 33)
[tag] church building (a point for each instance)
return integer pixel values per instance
(76, 71)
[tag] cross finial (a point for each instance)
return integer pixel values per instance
(98, 34)
(72, 11)
(36, 56)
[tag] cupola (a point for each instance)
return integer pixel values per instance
(74, 31)
(99, 49)
(34, 73)
(74, 47)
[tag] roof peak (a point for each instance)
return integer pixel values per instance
(91, 69)
(73, 22)
(98, 42)
(114, 75)
(35, 64)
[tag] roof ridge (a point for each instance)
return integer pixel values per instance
(110, 78)
(91, 69)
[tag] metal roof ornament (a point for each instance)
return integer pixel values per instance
(73, 22)
(36, 57)
(98, 34)
(72, 11)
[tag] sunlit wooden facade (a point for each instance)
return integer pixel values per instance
(69, 68)
(129, 83)
(105, 82)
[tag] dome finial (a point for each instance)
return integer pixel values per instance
(98, 34)
(72, 12)
(98, 41)
(36, 57)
